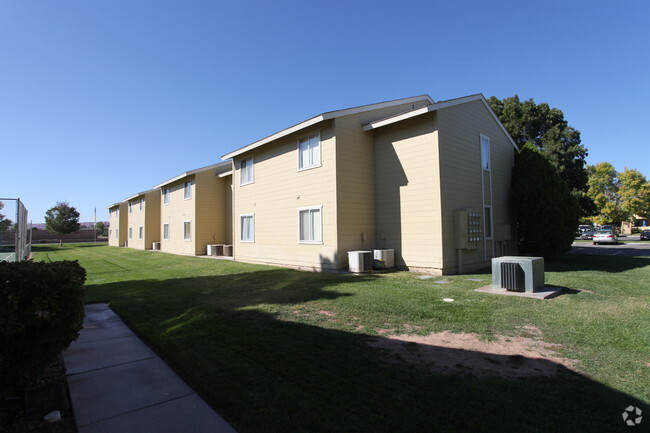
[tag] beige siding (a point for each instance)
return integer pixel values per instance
(229, 218)
(118, 224)
(355, 178)
(460, 169)
(136, 219)
(211, 209)
(152, 219)
(277, 193)
(407, 192)
(175, 214)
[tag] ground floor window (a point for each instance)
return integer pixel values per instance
(166, 232)
(310, 222)
(187, 230)
(140, 232)
(130, 232)
(247, 228)
(488, 222)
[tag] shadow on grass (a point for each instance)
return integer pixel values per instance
(592, 262)
(268, 373)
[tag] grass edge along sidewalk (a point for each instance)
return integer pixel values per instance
(274, 349)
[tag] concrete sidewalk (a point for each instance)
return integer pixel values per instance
(118, 385)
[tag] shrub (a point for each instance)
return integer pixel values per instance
(546, 211)
(41, 313)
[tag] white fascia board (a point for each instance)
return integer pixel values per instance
(191, 172)
(139, 194)
(283, 133)
(327, 116)
(224, 174)
(114, 205)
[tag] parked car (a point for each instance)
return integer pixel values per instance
(587, 234)
(645, 235)
(605, 237)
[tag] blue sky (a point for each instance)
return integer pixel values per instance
(102, 99)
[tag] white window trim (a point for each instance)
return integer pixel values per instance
(141, 204)
(241, 227)
(190, 238)
(165, 238)
(252, 159)
(485, 236)
(185, 186)
(320, 151)
(166, 193)
(320, 208)
(489, 151)
(140, 232)
(130, 232)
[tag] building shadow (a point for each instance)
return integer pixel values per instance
(289, 371)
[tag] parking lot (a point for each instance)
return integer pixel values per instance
(627, 246)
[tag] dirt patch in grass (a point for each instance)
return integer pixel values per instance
(465, 354)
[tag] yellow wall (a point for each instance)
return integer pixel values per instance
(407, 192)
(211, 210)
(276, 195)
(152, 218)
(136, 219)
(175, 213)
(118, 221)
(461, 172)
(355, 184)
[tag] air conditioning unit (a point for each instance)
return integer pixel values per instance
(518, 274)
(384, 259)
(155, 246)
(227, 250)
(360, 261)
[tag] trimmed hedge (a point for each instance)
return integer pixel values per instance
(41, 313)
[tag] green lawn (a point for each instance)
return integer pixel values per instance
(278, 350)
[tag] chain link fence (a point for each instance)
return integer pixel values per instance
(15, 231)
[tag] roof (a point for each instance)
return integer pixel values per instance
(113, 205)
(326, 116)
(220, 167)
(439, 106)
(139, 194)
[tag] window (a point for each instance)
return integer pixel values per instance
(488, 222)
(165, 195)
(187, 230)
(110, 233)
(485, 153)
(130, 209)
(310, 225)
(246, 171)
(141, 203)
(187, 190)
(166, 232)
(130, 232)
(247, 228)
(140, 232)
(117, 233)
(309, 151)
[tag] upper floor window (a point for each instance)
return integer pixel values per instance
(309, 151)
(165, 192)
(130, 207)
(187, 190)
(486, 164)
(246, 174)
(141, 203)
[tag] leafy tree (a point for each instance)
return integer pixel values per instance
(548, 131)
(100, 227)
(634, 192)
(546, 212)
(603, 189)
(5, 223)
(62, 219)
(618, 196)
